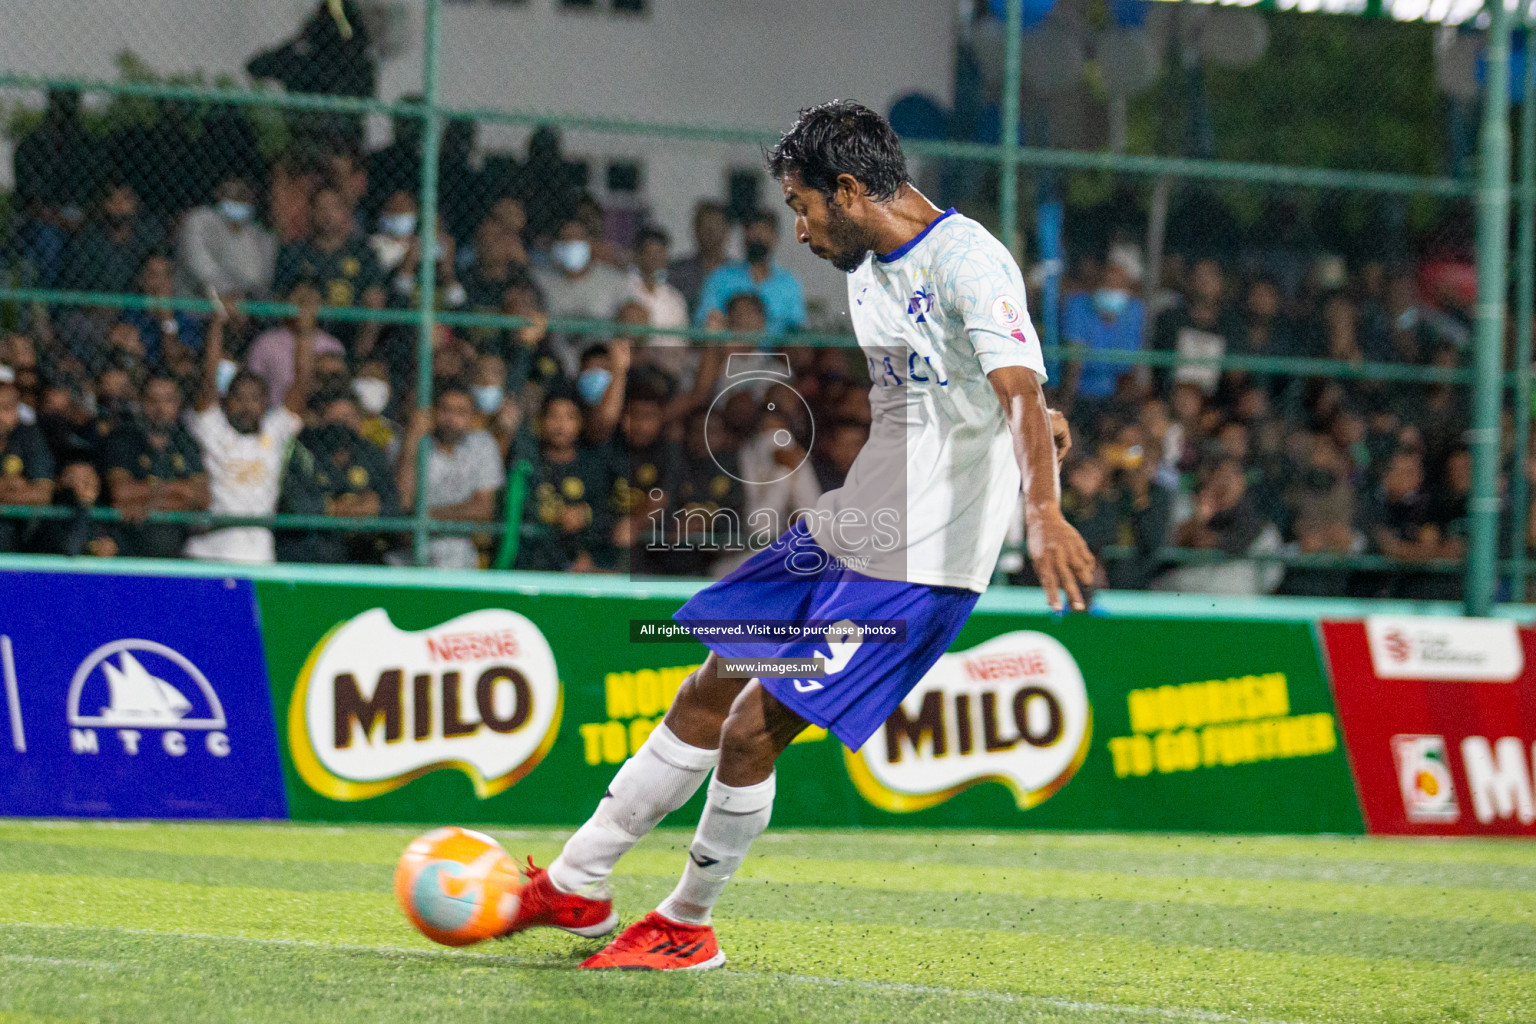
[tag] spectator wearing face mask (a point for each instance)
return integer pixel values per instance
(371, 387)
(154, 465)
(464, 472)
(334, 471)
(26, 467)
(1110, 318)
(783, 298)
(601, 384)
(244, 445)
(222, 247)
(574, 285)
(272, 353)
(397, 244)
(500, 410)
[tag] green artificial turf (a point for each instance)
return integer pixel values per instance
(278, 923)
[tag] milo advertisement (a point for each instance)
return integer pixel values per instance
(433, 705)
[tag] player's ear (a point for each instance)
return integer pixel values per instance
(848, 191)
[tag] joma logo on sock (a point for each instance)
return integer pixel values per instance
(376, 706)
(1013, 710)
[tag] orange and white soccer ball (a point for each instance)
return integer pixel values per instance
(458, 886)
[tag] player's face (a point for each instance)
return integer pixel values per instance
(825, 226)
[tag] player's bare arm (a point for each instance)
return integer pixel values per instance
(1060, 556)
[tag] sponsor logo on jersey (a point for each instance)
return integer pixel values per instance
(919, 305)
(1013, 710)
(148, 695)
(1007, 312)
(376, 706)
(1455, 650)
(1424, 774)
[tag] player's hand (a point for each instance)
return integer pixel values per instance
(1061, 558)
(1062, 432)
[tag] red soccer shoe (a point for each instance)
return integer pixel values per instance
(656, 943)
(544, 906)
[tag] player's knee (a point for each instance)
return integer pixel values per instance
(699, 710)
(746, 744)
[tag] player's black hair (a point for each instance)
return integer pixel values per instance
(842, 137)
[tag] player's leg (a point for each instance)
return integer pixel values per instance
(667, 769)
(677, 936)
(661, 776)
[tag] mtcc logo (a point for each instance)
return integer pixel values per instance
(147, 695)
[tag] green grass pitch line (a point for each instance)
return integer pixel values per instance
(135, 922)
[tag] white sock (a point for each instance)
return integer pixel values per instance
(733, 817)
(656, 781)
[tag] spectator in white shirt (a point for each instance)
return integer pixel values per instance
(223, 248)
(664, 306)
(245, 444)
(464, 472)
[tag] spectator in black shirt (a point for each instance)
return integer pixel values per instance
(154, 465)
(79, 490)
(26, 467)
(55, 174)
(569, 496)
(106, 254)
(340, 263)
(328, 59)
(1400, 525)
(334, 471)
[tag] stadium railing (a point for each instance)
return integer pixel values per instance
(146, 101)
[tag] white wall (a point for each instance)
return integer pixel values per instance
(739, 64)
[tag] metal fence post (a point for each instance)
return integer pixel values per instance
(1008, 169)
(1492, 278)
(426, 267)
(1525, 298)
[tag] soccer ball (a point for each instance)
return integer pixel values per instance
(458, 886)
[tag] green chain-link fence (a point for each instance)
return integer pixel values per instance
(146, 208)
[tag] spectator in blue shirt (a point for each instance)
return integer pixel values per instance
(781, 293)
(1108, 318)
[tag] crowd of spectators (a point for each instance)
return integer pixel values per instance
(1247, 464)
(596, 452)
(146, 408)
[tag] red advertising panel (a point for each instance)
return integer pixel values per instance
(1439, 718)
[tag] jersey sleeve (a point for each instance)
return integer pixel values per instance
(980, 284)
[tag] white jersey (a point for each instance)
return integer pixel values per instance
(244, 473)
(937, 483)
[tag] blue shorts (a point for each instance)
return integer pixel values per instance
(794, 579)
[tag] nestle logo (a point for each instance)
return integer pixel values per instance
(1005, 666)
(456, 647)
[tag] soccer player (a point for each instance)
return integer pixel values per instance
(959, 425)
